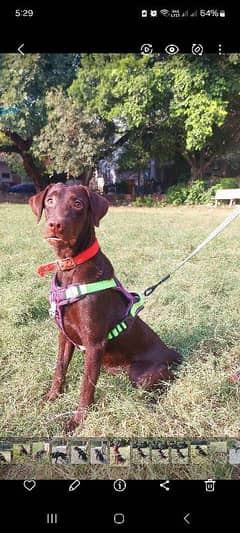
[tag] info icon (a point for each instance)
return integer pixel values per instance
(119, 485)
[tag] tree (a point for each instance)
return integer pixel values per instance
(170, 104)
(71, 141)
(205, 108)
(24, 82)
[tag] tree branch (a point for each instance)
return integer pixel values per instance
(21, 143)
(9, 148)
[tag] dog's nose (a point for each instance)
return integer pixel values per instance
(56, 225)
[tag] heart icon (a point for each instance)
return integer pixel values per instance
(29, 484)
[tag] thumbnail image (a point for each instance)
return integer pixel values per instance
(5, 452)
(179, 453)
(79, 452)
(99, 452)
(199, 452)
(120, 452)
(218, 451)
(22, 452)
(160, 452)
(234, 452)
(59, 453)
(141, 452)
(40, 451)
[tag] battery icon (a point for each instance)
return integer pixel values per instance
(222, 13)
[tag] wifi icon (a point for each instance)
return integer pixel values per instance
(165, 12)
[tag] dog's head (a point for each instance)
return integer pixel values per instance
(71, 213)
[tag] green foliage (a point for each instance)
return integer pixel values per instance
(177, 194)
(24, 84)
(229, 183)
(71, 141)
(197, 193)
(14, 161)
(132, 97)
(166, 104)
(139, 202)
(146, 201)
(134, 107)
(208, 196)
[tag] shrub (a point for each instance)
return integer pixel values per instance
(195, 192)
(149, 201)
(229, 183)
(177, 194)
(208, 197)
(145, 201)
(139, 202)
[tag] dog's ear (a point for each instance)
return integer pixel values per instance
(36, 202)
(98, 205)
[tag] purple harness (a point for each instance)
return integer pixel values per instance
(58, 299)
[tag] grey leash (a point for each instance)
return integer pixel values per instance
(212, 235)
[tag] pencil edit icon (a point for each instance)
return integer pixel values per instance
(74, 485)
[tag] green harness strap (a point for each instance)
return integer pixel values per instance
(121, 326)
(89, 288)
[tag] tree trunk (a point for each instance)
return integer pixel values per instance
(199, 163)
(37, 173)
(86, 176)
(23, 146)
(39, 179)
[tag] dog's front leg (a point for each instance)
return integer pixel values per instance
(92, 366)
(65, 351)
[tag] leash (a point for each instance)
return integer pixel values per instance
(149, 290)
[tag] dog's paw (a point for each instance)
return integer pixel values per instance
(50, 396)
(72, 424)
(76, 420)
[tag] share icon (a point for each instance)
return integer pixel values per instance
(165, 485)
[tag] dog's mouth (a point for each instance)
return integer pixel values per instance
(54, 239)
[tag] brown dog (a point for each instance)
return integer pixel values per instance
(104, 322)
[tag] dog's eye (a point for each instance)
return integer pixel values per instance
(78, 204)
(49, 201)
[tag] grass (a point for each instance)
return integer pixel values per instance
(196, 312)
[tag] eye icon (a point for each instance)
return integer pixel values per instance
(146, 49)
(171, 49)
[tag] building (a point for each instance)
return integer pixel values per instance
(7, 177)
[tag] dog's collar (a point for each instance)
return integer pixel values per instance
(70, 262)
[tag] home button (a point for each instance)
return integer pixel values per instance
(119, 518)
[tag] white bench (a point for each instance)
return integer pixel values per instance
(227, 194)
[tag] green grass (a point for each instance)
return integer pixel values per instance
(196, 312)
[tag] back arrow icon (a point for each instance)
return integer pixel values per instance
(185, 518)
(20, 49)
(163, 485)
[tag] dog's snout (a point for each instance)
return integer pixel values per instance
(56, 225)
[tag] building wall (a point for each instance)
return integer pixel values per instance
(6, 175)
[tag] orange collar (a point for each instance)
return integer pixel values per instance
(70, 262)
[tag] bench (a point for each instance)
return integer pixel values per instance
(227, 194)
